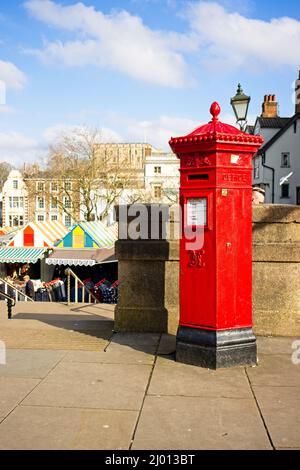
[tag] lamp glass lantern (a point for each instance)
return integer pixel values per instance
(240, 104)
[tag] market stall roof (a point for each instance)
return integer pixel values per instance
(114, 229)
(7, 230)
(39, 234)
(21, 255)
(81, 257)
(88, 235)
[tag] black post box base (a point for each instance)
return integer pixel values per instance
(216, 349)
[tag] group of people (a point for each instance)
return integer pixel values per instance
(22, 281)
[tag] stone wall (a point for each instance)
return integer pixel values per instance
(276, 270)
(149, 273)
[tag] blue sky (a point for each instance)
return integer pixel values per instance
(138, 69)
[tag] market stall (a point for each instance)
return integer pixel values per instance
(30, 246)
(88, 249)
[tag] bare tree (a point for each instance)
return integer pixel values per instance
(87, 181)
(5, 169)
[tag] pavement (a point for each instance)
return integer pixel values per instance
(71, 382)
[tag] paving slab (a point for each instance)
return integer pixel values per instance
(114, 354)
(55, 338)
(280, 407)
(13, 391)
(275, 370)
(36, 309)
(173, 378)
(29, 363)
(194, 423)
(275, 345)
(39, 428)
(136, 339)
(85, 385)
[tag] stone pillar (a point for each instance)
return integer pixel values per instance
(148, 276)
(276, 269)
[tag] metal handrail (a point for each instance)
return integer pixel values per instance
(18, 292)
(70, 273)
(10, 303)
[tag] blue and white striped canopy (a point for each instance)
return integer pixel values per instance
(21, 255)
(102, 236)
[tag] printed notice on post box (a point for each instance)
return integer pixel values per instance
(197, 211)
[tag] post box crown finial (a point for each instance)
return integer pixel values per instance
(215, 110)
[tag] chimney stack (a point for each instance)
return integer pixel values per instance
(297, 95)
(270, 106)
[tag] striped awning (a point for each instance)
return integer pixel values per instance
(37, 234)
(100, 233)
(21, 255)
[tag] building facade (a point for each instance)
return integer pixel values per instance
(15, 209)
(150, 176)
(131, 156)
(36, 200)
(276, 166)
(162, 177)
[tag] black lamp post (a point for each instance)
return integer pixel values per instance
(240, 104)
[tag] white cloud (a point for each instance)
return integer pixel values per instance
(17, 148)
(7, 109)
(216, 35)
(11, 75)
(159, 131)
(119, 41)
(233, 40)
(54, 133)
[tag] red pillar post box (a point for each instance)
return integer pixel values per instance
(215, 328)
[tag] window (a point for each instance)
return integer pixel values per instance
(157, 169)
(68, 186)
(40, 218)
(16, 202)
(68, 221)
(40, 203)
(256, 172)
(285, 160)
(15, 184)
(16, 220)
(285, 191)
(54, 217)
(54, 203)
(54, 187)
(40, 186)
(157, 191)
(67, 203)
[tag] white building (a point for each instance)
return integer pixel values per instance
(279, 156)
(160, 185)
(14, 200)
(162, 177)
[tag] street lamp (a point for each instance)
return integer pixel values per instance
(240, 104)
